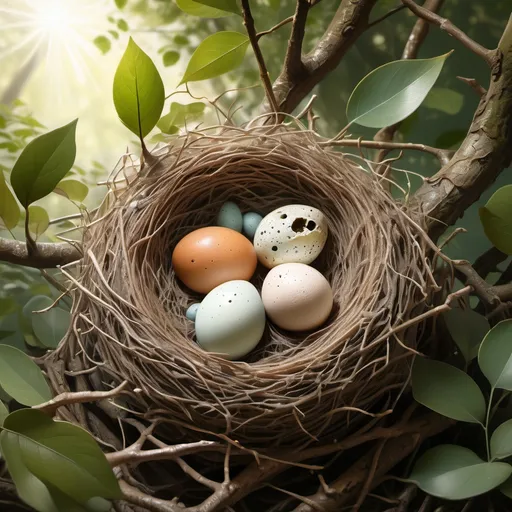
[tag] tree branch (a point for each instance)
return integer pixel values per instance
(349, 22)
(481, 91)
(385, 16)
(253, 38)
(484, 153)
(442, 155)
(490, 56)
(293, 59)
(47, 255)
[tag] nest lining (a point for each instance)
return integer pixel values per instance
(293, 388)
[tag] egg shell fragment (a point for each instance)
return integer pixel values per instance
(291, 234)
(297, 297)
(231, 319)
(210, 256)
(251, 221)
(230, 216)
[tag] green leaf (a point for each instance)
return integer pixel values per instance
(181, 40)
(43, 163)
(103, 44)
(447, 391)
(4, 412)
(122, 25)
(180, 115)
(506, 488)
(496, 218)
(444, 100)
(456, 473)
(467, 329)
(393, 91)
(495, 356)
(73, 190)
(12, 334)
(216, 55)
(121, 4)
(501, 441)
(21, 378)
(38, 220)
(9, 209)
(170, 58)
(200, 9)
(65, 457)
(50, 326)
(138, 91)
(225, 5)
(114, 34)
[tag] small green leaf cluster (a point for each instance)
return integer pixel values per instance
(455, 472)
(104, 42)
(496, 218)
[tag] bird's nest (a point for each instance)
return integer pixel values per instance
(129, 309)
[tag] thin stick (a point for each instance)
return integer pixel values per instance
(481, 91)
(490, 56)
(385, 16)
(251, 32)
(79, 397)
(274, 28)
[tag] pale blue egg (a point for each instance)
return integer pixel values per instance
(192, 312)
(230, 217)
(251, 221)
(231, 320)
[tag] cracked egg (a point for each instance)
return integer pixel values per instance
(294, 233)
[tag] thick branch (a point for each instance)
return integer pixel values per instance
(488, 55)
(46, 256)
(293, 59)
(349, 22)
(484, 153)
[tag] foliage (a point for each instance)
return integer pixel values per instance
(496, 217)
(455, 472)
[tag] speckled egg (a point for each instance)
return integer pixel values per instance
(291, 234)
(210, 256)
(297, 297)
(251, 221)
(230, 216)
(231, 320)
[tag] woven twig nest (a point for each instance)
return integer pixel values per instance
(129, 313)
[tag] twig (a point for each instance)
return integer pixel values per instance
(251, 32)
(274, 28)
(371, 475)
(293, 59)
(442, 155)
(47, 255)
(490, 56)
(481, 91)
(79, 397)
(385, 16)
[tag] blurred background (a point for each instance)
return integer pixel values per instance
(58, 59)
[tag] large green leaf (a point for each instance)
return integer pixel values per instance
(501, 441)
(21, 378)
(200, 9)
(38, 220)
(506, 488)
(456, 473)
(444, 100)
(495, 356)
(65, 457)
(50, 326)
(447, 390)
(138, 91)
(180, 115)
(216, 55)
(393, 91)
(4, 412)
(225, 5)
(467, 329)
(43, 163)
(496, 217)
(73, 190)
(9, 209)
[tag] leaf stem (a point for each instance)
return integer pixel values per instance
(486, 427)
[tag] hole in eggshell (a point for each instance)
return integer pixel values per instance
(284, 216)
(311, 225)
(299, 224)
(274, 247)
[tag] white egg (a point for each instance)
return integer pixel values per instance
(292, 234)
(231, 319)
(297, 297)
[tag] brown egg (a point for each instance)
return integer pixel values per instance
(211, 256)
